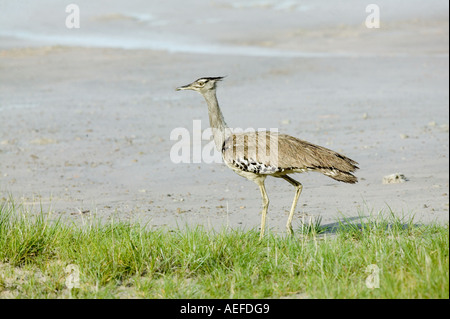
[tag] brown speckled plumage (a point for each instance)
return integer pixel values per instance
(289, 155)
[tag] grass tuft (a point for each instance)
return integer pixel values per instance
(379, 256)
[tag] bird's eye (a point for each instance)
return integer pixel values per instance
(201, 83)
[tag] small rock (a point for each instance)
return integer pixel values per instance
(43, 141)
(395, 178)
(444, 127)
(404, 136)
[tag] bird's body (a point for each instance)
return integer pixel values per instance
(256, 155)
(278, 154)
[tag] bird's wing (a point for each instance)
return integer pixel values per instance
(278, 152)
(295, 152)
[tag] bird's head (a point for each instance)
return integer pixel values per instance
(202, 85)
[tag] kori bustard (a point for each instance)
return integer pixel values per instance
(256, 155)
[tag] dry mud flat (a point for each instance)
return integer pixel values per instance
(81, 140)
(86, 131)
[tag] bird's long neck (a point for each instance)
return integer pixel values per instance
(216, 121)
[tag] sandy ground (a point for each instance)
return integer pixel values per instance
(86, 130)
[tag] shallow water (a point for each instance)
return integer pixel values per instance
(246, 28)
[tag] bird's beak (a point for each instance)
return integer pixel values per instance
(185, 87)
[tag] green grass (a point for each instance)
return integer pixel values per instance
(123, 260)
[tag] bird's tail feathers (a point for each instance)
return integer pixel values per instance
(338, 175)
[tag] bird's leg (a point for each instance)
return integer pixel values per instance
(265, 203)
(298, 189)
